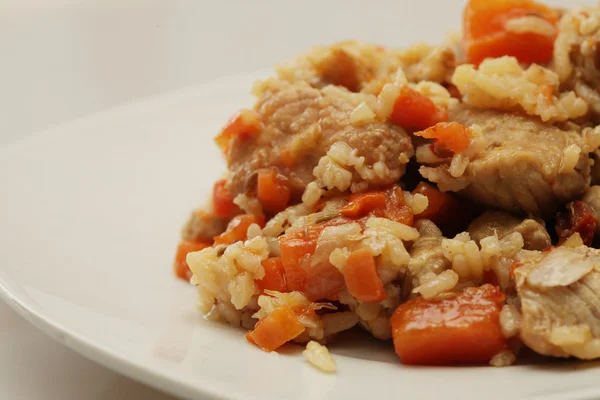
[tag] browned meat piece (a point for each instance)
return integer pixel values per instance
(300, 123)
(426, 254)
(525, 166)
(502, 224)
(592, 198)
(560, 301)
(203, 227)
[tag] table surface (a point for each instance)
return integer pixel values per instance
(64, 59)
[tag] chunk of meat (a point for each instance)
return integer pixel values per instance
(560, 301)
(514, 171)
(535, 235)
(426, 254)
(300, 124)
(592, 198)
(203, 227)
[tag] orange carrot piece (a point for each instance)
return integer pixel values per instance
(452, 135)
(485, 32)
(223, 201)
(244, 124)
(278, 328)
(362, 280)
(319, 281)
(180, 265)
(462, 328)
(362, 204)
(274, 278)
(272, 190)
(413, 110)
(237, 229)
(396, 208)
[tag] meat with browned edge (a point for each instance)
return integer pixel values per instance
(300, 123)
(535, 236)
(559, 292)
(523, 168)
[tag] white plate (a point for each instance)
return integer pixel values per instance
(90, 215)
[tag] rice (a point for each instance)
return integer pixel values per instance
(469, 260)
(437, 93)
(574, 28)
(401, 231)
(437, 284)
(501, 83)
(503, 358)
(228, 278)
(362, 114)
(338, 257)
(510, 321)
(250, 205)
(422, 62)
(419, 203)
(319, 356)
(530, 24)
(283, 220)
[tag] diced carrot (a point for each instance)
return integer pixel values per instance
(274, 278)
(441, 207)
(237, 229)
(396, 208)
(485, 32)
(362, 280)
(463, 328)
(223, 202)
(278, 328)
(362, 204)
(385, 204)
(180, 266)
(243, 125)
(249, 338)
(317, 281)
(272, 190)
(413, 110)
(452, 135)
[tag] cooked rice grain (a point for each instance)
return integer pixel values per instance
(319, 356)
(501, 83)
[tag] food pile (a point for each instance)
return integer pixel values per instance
(443, 197)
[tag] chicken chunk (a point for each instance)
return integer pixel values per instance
(525, 166)
(559, 292)
(300, 123)
(535, 236)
